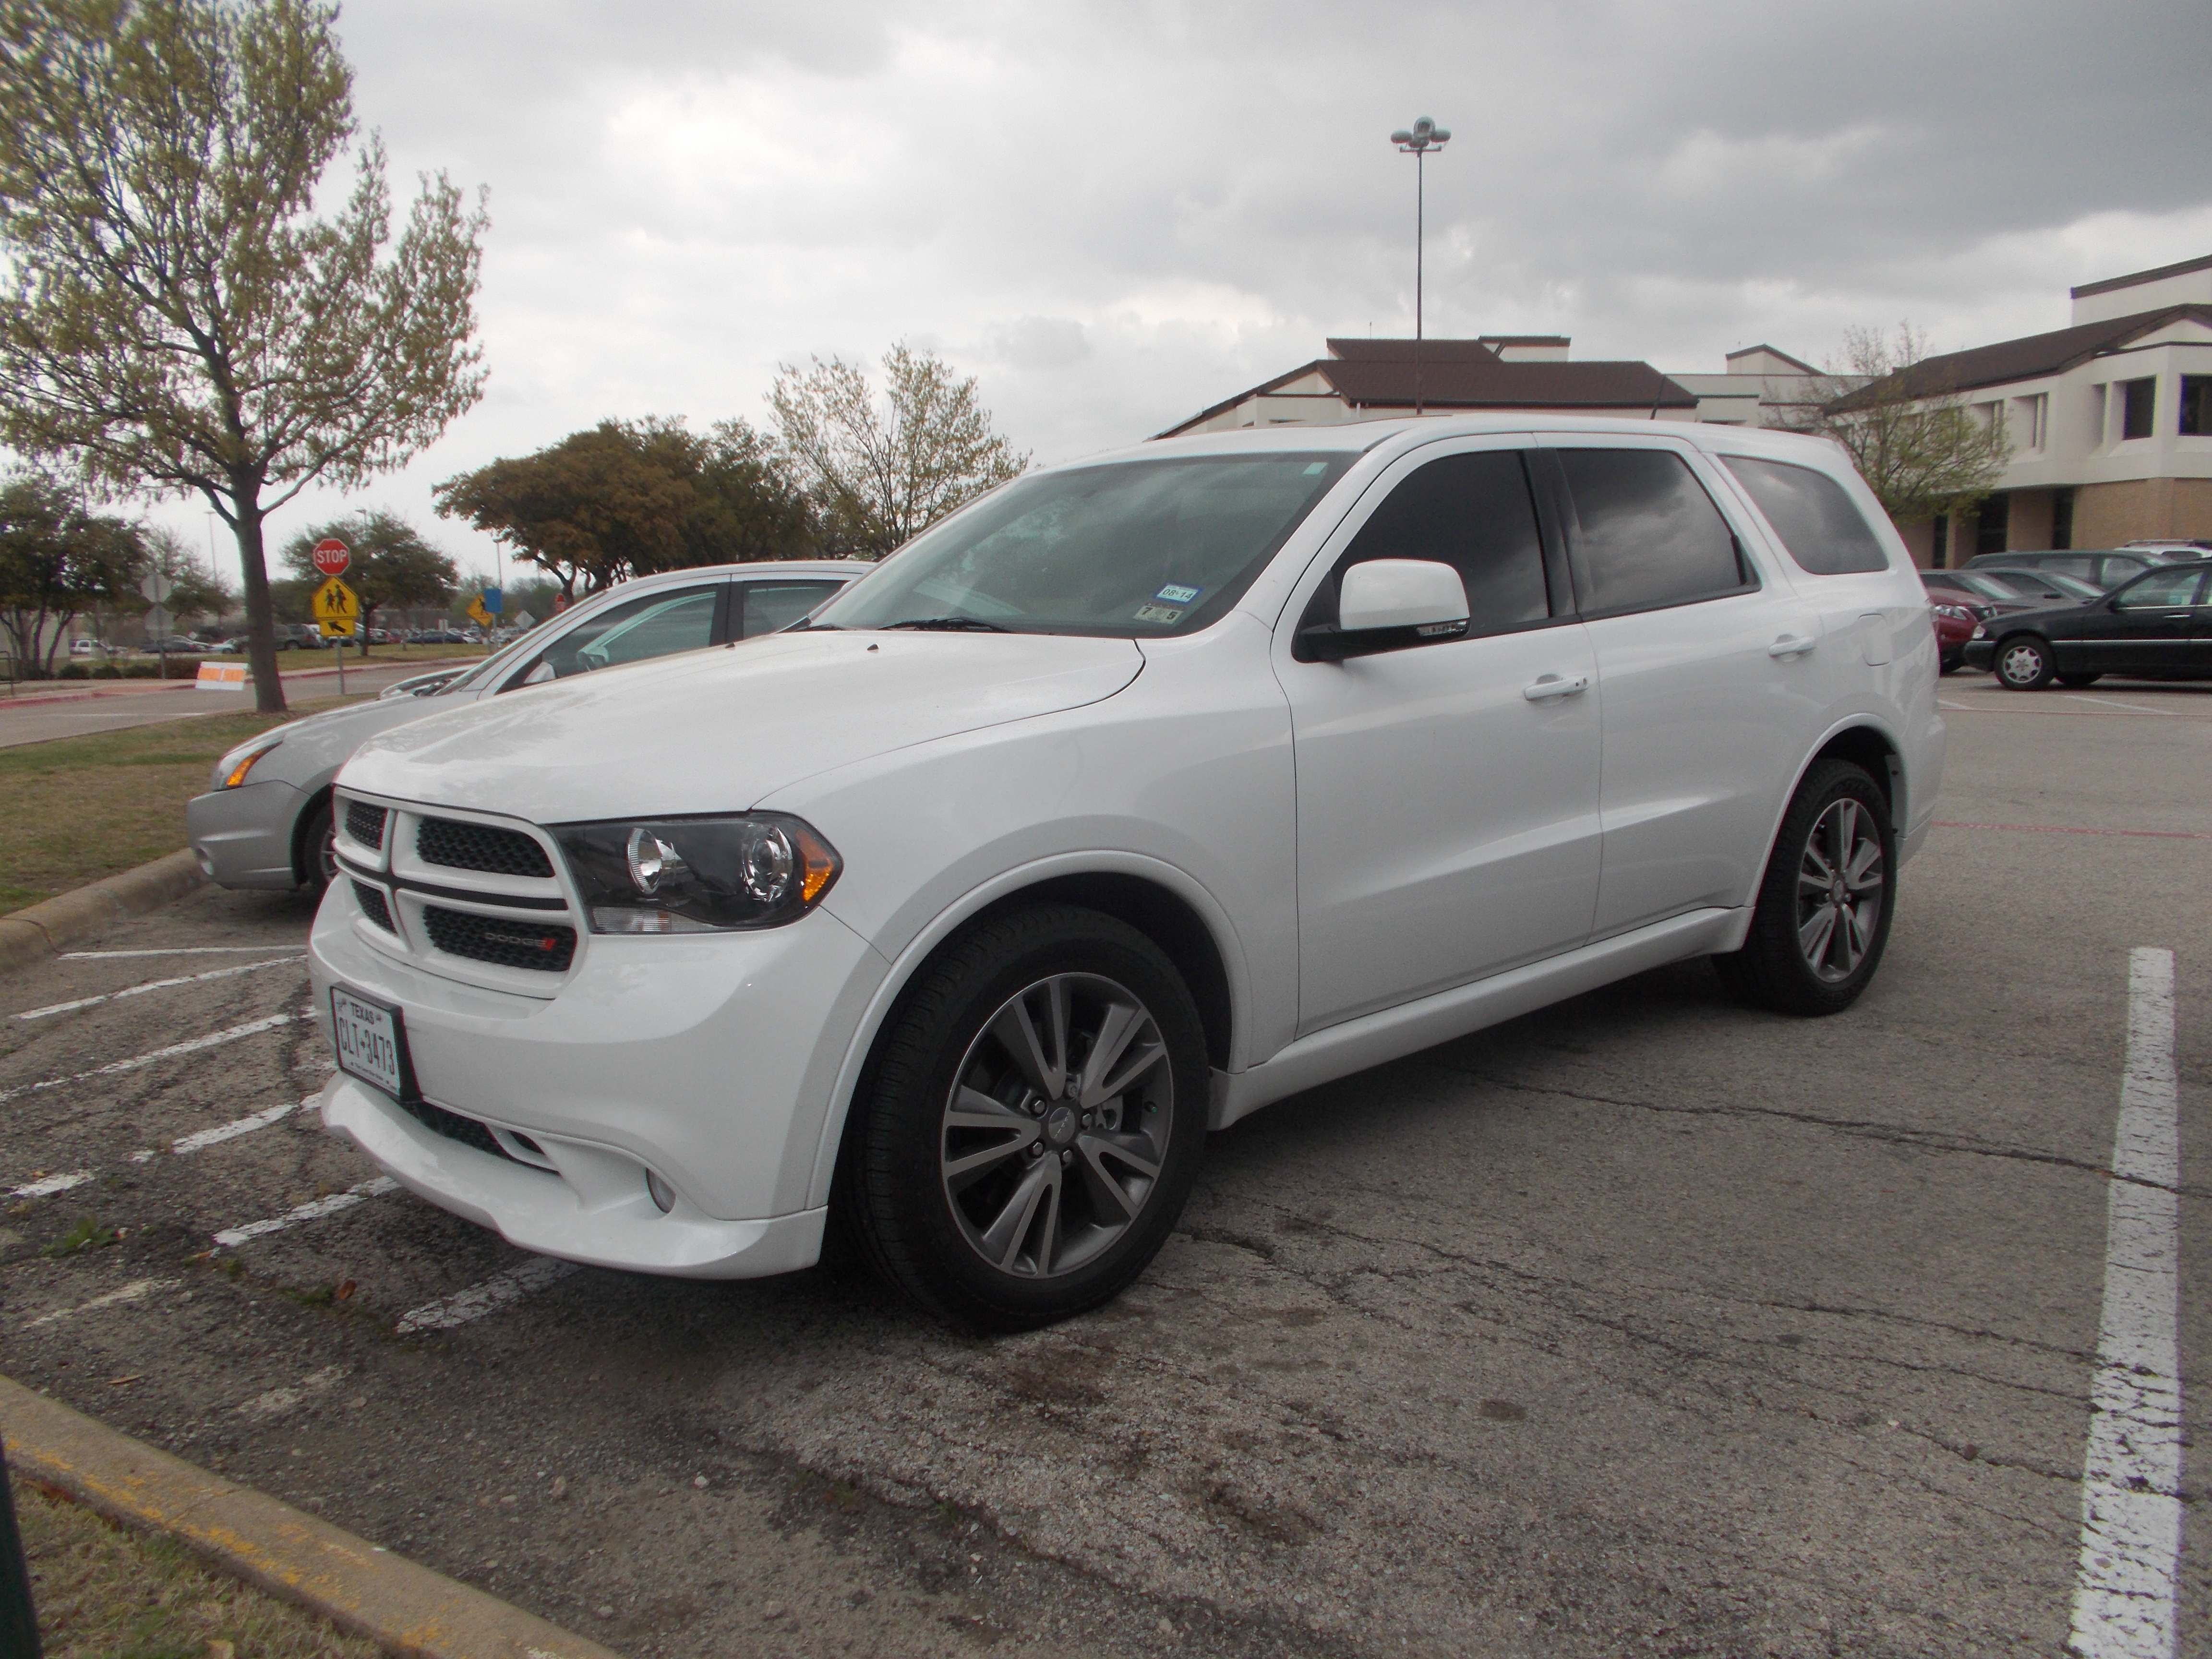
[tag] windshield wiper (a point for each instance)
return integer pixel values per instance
(949, 625)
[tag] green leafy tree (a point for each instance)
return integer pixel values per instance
(175, 317)
(56, 562)
(1902, 420)
(194, 590)
(881, 470)
(392, 567)
(628, 498)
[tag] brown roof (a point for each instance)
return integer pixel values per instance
(2111, 283)
(1466, 374)
(2017, 359)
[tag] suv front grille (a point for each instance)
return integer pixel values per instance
(373, 905)
(503, 941)
(460, 846)
(365, 824)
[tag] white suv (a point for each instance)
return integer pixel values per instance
(1137, 795)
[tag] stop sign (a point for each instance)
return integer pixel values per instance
(332, 557)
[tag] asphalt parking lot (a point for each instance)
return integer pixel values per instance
(1644, 1324)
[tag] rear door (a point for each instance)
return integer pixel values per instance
(1710, 670)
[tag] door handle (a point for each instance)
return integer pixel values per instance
(1548, 686)
(1792, 644)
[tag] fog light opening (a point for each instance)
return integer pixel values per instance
(664, 1195)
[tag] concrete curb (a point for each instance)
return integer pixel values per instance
(43, 929)
(400, 1603)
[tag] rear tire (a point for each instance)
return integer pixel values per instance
(2024, 663)
(987, 1173)
(1813, 947)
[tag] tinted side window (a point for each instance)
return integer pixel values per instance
(1648, 534)
(2166, 589)
(1814, 516)
(1472, 513)
(652, 626)
(771, 605)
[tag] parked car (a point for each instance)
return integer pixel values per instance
(1137, 794)
(172, 646)
(2157, 627)
(2000, 588)
(90, 649)
(2172, 551)
(2103, 569)
(267, 819)
(1954, 626)
(298, 636)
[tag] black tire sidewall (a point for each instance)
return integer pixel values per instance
(900, 1184)
(321, 828)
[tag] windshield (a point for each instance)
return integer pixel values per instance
(1138, 549)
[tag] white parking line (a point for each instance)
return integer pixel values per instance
(179, 950)
(213, 1039)
(488, 1297)
(136, 1291)
(52, 1184)
(155, 985)
(201, 1139)
(315, 1211)
(2114, 702)
(2124, 1586)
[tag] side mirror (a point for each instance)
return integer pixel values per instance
(1386, 605)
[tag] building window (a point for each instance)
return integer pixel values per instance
(2139, 408)
(1939, 551)
(1990, 528)
(2196, 406)
(2062, 517)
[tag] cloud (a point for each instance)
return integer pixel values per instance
(1115, 214)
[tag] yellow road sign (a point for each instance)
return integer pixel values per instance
(477, 614)
(335, 602)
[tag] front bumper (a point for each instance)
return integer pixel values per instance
(1980, 653)
(708, 1060)
(242, 837)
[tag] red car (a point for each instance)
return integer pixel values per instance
(1954, 626)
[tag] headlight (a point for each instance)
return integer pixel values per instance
(697, 875)
(1980, 632)
(230, 771)
(1956, 612)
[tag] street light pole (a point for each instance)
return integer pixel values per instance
(1424, 136)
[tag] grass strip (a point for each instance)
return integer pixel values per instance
(73, 810)
(105, 1592)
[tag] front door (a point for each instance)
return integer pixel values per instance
(2144, 628)
(1447, 793)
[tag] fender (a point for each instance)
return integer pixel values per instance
(1098, 861)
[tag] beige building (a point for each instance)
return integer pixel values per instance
(2110, 420)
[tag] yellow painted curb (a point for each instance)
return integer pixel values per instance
(400, 1603)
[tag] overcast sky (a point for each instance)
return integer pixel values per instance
(1114, 215)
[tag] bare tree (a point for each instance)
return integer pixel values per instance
(1903, 420)
(175, 317)
(882, 470)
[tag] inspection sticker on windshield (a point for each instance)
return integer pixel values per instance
(370, 1041)
(1158, 613)
(1176, 593)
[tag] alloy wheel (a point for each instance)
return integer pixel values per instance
(1056, 1126)
(1840, 891)
(2021, 665)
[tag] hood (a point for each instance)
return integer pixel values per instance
(718, 730)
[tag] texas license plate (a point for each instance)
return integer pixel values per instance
(371, 1041)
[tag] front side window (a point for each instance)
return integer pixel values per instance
(1472, 513)
(1813, 515)
(2196, 406)
(2160, 590)
(1647, 532)
(767, 607)
(651, 625)
(1135, 549)
(2138, 407)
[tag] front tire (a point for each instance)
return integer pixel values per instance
(2024, 663)
(1031, 1123)
(319, 847)
(1823, 913)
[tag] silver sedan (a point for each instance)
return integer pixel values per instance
(265, 821)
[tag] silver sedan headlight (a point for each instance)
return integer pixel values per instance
(230, 771)
(697, 875)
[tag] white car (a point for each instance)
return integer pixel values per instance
(1136, 795)
(266, 818)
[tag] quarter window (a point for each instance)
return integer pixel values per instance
(1472, 513)
(1816, 520)
(1647, 532)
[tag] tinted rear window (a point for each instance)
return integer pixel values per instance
(1813, 515)
(1647, 532)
